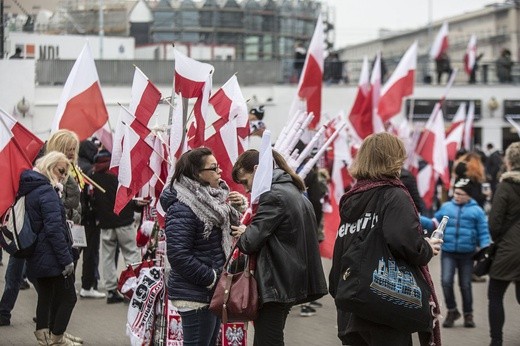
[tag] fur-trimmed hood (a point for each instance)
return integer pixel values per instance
(511, 176)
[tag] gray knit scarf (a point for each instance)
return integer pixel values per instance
(210, 206)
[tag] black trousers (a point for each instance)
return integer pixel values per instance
(496, 315)
(270, 323)
(56, 300)
(90, 268)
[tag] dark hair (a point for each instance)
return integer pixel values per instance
(190, 164)
(247, 161)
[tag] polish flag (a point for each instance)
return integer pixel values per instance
(468, 126)
(159, 165)
(191, 81)
(454, 141)
(375, 84)
(432, 145)
(426, 179)
(361, 113)
(399, 85)
(143, 103)
(134, 168)
(311, 79)
(440, 44)
(264, 172)
(29, 143)
(81, 108)
(459, 118)
(18, 148)
(470, 57)
(340, 176)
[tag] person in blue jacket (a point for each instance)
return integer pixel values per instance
(467, 230)
(52, 263)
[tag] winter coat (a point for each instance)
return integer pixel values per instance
(195, 261)
(400, 225)
(54, 247)
(467, 227)
(504, 230)
(282, 234)
(71, 200)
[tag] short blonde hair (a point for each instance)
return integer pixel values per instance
(61, 141)
(381, 156)
(513, 156)
(46, 164)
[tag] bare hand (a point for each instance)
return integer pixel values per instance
(236, 231)
(236, 198)
(435, 244)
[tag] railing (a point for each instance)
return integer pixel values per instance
(120, 72)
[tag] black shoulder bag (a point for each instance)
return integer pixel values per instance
(378, 287)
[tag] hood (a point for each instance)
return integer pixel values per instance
(281, 177)
(352, 208)
(30, 180)
(168, 197)
(511, 176)
(87, 150)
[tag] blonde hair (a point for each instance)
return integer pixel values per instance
(46, 164)
(513, 156)
(62, 140)
(381, 156)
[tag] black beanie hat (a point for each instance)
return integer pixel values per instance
(465, 185)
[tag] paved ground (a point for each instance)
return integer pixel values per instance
(102, 324)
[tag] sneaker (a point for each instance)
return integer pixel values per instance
(468, 321)
(25, 285)
(316, 304)
(114, 297)
(91, 293)
(307, 311)
(4, 321)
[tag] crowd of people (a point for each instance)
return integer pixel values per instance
(203, 222)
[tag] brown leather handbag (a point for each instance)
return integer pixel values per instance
(236, 295)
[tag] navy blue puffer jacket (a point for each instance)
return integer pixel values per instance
(54, 248)
(193, 258)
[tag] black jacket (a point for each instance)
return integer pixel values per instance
(410, 182)
(283, 235)
(400, 229)
(194, 260)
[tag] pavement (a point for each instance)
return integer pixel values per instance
(101, 324)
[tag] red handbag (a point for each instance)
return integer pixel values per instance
(236, 295)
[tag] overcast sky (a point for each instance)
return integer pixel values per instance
(360, 20)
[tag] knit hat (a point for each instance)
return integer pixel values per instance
(465, 185)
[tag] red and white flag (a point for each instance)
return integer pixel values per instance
(454, 141)
(470, 57)
(134, 168)
(81, 108)
(361, 113)
(375, 89)
(340, 176)
(468, 126)
(399, 85)
(311, 79)
(143, 103)
(459, 118)
(178, 144)
(193, 80)
(440, 44)
(432, 145)
(426, 179)
(17, 151)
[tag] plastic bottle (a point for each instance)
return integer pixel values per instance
(439, 232)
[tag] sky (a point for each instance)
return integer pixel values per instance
(360, 20)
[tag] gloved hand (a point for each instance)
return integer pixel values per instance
(69, 269)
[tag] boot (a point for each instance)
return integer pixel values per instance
(42, 335)
(468, 321)
(450, 319)
(61, 340)
(73, 338)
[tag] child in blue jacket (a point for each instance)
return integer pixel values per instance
(466, 231)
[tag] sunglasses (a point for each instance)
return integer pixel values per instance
(213, 168)
(62, 171)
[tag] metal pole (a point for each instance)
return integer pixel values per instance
(1, 29)
(101, 29)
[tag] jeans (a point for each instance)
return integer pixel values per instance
(200, 327)
(496, 315)
(13, 279)
(56, 300)
(463, 262)
(270, 323)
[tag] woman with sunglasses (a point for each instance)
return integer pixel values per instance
(198, 229)
(52, 263)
